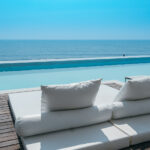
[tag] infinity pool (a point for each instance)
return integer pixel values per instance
(35, 78)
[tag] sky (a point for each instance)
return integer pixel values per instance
(75, 19)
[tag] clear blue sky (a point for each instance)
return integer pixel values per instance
(75, 19)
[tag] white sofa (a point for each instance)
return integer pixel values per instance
(108, 130)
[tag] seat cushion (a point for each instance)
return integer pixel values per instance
(29, 103)
(138, 128)
(103, 136)
(25, 103)
(131, 108)
(69, 96)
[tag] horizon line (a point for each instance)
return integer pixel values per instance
(81, 39)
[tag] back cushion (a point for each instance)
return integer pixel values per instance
(69, 96)
(135, 89)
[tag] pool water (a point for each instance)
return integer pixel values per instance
(34, 78)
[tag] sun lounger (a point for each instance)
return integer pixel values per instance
(114, 124)
(94, 135)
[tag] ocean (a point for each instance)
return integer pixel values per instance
(11, 50)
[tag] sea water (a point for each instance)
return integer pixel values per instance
(62, 49)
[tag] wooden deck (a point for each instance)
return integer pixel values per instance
(114, 85)
(8, 136)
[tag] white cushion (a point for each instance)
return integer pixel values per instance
(138, 128)
(25, 103)
(103, 137)
(131, 108)
(135, 89)
(69, 96)
(59, 120)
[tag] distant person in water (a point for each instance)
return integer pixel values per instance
(124, 55)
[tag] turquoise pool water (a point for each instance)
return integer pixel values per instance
(35, 78)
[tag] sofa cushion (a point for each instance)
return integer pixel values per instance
(59, 120)
(69, 96)
(138, 128)
(136, 89)
(103, 136)
(131, 108)
(25, 103)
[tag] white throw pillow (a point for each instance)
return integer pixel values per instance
(69, 96)
(136, 89)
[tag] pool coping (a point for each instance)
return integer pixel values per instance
(38, 88)
(72, 59)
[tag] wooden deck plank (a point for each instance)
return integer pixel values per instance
(11, 147)
(5, 109)
(6, 123)
(5, 120)
(4, 112)
(8, 143)
(6, 126)
(8, 138)
(7, 134)
(5, 116)
(3, 104)
(7, 130)
(3, 101)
